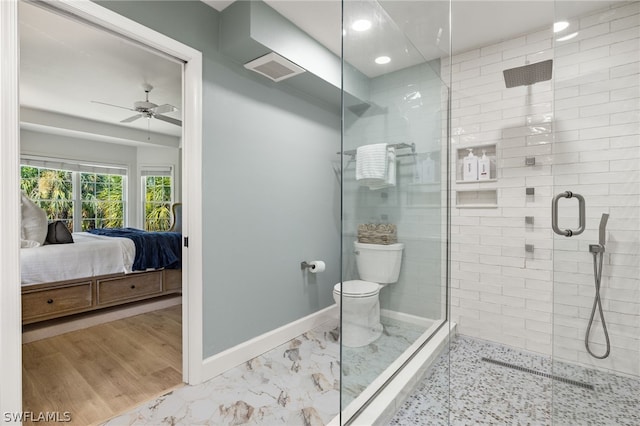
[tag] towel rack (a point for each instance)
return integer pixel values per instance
(402, 145)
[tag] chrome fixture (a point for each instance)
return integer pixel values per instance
(581, 214)
(528, 74)
(598, 255)
(313, 266)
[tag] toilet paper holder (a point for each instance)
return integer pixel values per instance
(313, 266)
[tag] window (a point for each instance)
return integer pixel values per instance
(102, 201)
(52, 190)
(157, 189)
(83, 196)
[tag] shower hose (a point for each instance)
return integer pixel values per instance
(597, 303)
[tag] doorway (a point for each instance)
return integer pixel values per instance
(191, 185)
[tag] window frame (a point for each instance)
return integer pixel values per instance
(154, 170)
(76, 168)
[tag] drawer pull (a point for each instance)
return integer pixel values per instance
(133, 286)
(50, 301)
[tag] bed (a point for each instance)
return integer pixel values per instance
(98, 271)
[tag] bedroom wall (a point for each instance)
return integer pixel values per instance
(56, 146)
(271, 198)
(65, 147)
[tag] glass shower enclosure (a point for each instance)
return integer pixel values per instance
(543, 257)
(596, 192)
(394, 190)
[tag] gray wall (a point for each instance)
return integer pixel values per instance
(270, 196)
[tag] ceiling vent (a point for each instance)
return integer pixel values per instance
(274, 67)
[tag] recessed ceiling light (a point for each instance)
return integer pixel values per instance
(560, 26)
(567, 37)
(361, 25)
(381, 60)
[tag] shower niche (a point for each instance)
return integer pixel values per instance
(489, 150)
(477, 191)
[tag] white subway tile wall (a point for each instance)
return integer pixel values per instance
(583, 128)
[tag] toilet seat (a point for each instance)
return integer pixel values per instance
(357, 289)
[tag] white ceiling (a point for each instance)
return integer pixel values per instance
(414, 31)
(65, 64)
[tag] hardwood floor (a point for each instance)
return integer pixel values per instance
(99, 372)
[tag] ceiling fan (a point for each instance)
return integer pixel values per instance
(148, 109)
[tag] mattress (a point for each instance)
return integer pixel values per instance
(88, 256)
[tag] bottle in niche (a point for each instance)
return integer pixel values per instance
(484, 167)
(470, 166)
(428, 170)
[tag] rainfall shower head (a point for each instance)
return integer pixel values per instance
(528, 74)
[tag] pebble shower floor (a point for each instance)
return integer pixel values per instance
(483, 393)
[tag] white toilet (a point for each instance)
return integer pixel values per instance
(377, 265)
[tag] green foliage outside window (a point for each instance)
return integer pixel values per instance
(102, 201)
(157, 206)
(102, 196)
(52, 190)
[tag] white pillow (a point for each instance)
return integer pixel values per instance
(34, 221)
(28, 244)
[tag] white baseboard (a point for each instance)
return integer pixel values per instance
(239, 354)
(52, 328)
(411, 319)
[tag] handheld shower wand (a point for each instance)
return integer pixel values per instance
(603, 228)
(598, 251)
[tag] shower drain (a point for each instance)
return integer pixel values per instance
(538, 373)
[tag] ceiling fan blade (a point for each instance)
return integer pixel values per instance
(168, 119)
(132, 118)
(112, 105)
(163, 109)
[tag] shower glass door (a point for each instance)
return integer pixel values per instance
(596, 257)
(395, 102)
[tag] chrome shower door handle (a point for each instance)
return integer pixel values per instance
(581, 214)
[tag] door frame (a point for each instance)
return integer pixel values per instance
(10, 302)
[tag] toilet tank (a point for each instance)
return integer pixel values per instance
(378, 263)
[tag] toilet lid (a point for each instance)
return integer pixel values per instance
(357, 288)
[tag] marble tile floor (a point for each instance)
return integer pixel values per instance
(297, 383)
(482, 393)
(363, 365)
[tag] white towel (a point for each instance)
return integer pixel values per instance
(371, 162)
(376, 166)
(390, 175)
